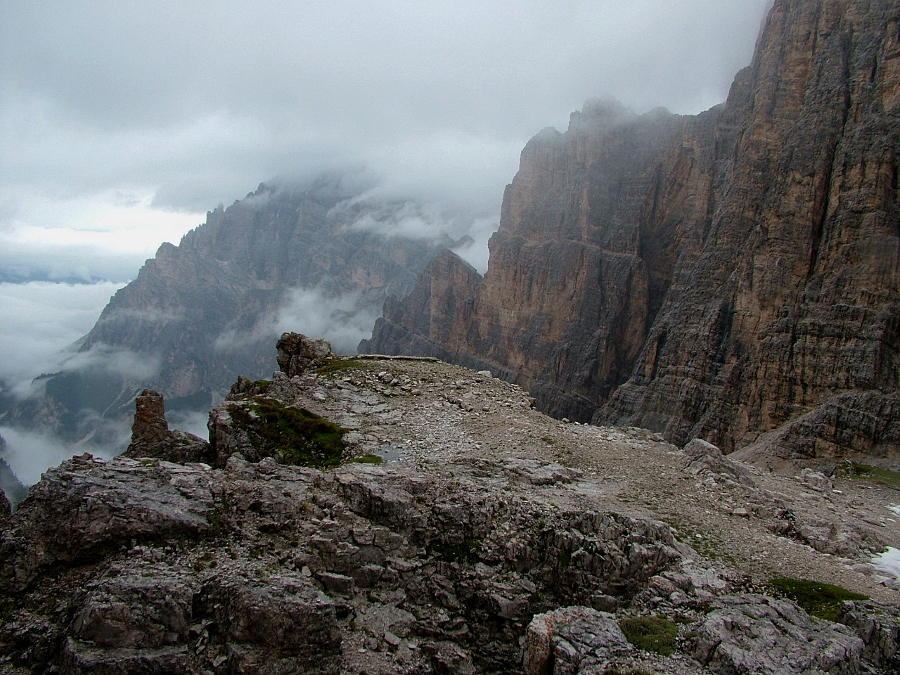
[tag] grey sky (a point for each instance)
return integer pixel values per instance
(110, 111)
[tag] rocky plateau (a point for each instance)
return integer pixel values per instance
(458, 530)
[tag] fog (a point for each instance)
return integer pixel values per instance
(42, 321)
(123, 123)
(340, 320)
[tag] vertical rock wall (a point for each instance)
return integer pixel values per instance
(720, 275)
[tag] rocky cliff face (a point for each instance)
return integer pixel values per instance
(723, 275)
(204, 311)
(491, 539)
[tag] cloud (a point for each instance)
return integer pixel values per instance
(195, 103)
(191, 421)
(343, 320)
(41, 323)
(30, 453)
(106, 359)
(91, 237)
(123, 123)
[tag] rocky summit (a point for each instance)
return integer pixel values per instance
(402, 515)
(732, 275)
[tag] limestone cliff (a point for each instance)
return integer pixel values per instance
(721, 275)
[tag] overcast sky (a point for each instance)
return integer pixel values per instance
(122, 123)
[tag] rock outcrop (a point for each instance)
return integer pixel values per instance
(461, 532)
(719, 276)
(570, 639)
(151, 436)
(298, 353)
(756, 634)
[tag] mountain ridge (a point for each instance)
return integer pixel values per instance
(322, 254)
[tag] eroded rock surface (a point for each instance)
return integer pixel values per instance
(755, 634)
(487, 517)
(297, 353)
(151, 436)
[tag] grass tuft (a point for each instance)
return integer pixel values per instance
(651, 633)
(298, 436)
(820, 600)
(878, 475)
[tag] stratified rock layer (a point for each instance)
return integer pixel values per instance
(717, 276)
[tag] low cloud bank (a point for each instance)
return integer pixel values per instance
(42, 321)
(29, 453)
(342, 320)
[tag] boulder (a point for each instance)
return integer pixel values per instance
(759, 634)
(569, 639)
(703, 458)
(298, 353)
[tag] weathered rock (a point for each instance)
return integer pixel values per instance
(150, 425)
(435, 560)
(297, 353)
(569, 639)
(278, 625)
(145, 610)
(85, 506)
(815, 480)
(702, 458)
(877, 624)
(151, 437)
(82, 658)
(757, 634)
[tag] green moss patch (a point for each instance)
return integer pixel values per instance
(296, 435)
(873, 473)
(261, 385)
(651, 633)
(821, 600)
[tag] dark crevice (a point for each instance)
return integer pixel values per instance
(820, 218)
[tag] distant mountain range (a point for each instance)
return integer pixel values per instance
(320, 257)
(733, 275)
